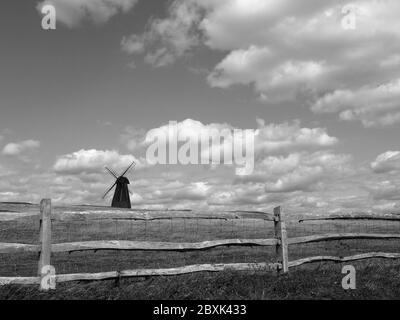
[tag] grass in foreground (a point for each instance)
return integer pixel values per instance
(323, 282)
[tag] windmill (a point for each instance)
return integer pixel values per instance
(121, 197)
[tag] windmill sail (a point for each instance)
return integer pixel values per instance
(127, 169)
(106, 193)
(111, 172)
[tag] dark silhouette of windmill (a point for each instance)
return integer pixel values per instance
(121, 197)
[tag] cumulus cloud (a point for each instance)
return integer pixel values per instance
(73, 12)
(374, 106)
(271, 41)
(288, 158)
(311, 171)
(17, 148)
(223, 142)
(295, 166)
(283, 82)
(132, 44)
(291, 51)
(167, 39)
(385, 190)
(240, 196)
(387, 162)
(195, 191)
(92, 161)
(269, 138)
(298, 52)
(272, 137)
(133, 138)
(179, 191)
(299, 171)
(304, 180)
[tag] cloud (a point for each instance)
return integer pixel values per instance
(92, 161)
(289, 51)
(133, 138)
(253, 67)
(16, 149)
(167, 39)
(308, 175)
(387, 162)
(195, 191)
(295, 166)
(236, 196)
(373, 106)
(280, 38)
(299, 171)
(177, 191)
(226, 140)
(223, 142)
(73, 12)
(269, 138)
(283, 50)
(288, 158)
(302, 179)
(290, 137)
(386, 190)
(132, 44)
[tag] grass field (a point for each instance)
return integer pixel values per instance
(375, 278)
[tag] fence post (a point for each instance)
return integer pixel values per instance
(281, 236)
(46, 274)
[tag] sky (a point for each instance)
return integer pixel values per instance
(317, 81)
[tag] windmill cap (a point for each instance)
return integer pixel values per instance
(123, 180)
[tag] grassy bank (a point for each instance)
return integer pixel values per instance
(374, 281)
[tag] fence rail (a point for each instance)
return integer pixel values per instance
(146, 272)
(356, 257)
(144, 215)
(341, 236)
(135, 245)
(280, 241)
(361, 216)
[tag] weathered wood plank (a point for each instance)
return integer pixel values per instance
(69, 215)
(157, 246)
(45, 234)
(341, 236)
(18, 248)
(359, 216)
(44, 265)
(202, 268)
(170, 271)
(184, 246)
(281, 236)
(87, 276)
(19, 280)
(362, 256)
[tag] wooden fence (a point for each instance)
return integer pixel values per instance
(47, 278)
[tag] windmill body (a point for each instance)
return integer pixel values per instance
(121, 197)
